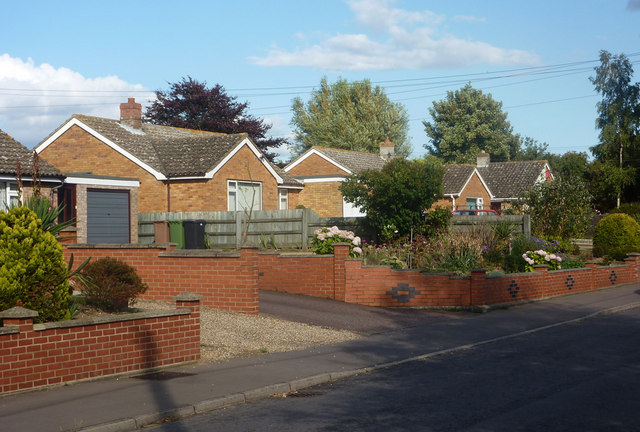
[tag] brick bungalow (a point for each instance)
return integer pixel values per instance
(12, 152)
(322, 169)
(490, 184)
(177, 169)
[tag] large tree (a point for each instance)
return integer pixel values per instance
(618, 120)
(350, 116)
(190, 104)
(466, 122)
(395, 197)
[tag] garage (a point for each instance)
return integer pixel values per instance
(108, 216)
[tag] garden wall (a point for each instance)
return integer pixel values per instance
(225, 280)
(33, 356)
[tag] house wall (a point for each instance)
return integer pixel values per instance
(78, 151)
(314, 165)
(324, 198)
(474, 189)
(40, 355)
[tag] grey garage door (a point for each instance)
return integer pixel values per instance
(107, 216)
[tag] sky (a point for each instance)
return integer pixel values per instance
(59, 58)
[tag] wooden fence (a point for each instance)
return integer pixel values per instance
(281, 228)
(290, 228)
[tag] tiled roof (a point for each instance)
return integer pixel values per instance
(511, 179)
(455, 177)
(174, 152)
(504, 179)
(354, 161)
(12, 151)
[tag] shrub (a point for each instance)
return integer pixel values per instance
(32, 267)
(111, 285)
(513, 261)
(325, 238)
(616, 235)
(436, 221)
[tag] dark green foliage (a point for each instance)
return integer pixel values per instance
(513, 261)
(111, 285)
(616, 235)
(48, 214)
(190, 104)
(436, 221)
(558, 209)
(350, 116)
(632, 209)
(465, 123)
(32, 267)
(395, 197)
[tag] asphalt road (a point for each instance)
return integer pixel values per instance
(579, 377)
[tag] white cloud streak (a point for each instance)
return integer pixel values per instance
(36, 99)
(395, 39)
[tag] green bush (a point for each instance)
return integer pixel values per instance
(616, 235)
(632, 209)
(436, 221)
(32, 267)
(111, 285)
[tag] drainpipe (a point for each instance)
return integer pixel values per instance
(168, 194)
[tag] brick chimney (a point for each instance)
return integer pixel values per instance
(387, 150)
(483, 159)
(131, 113)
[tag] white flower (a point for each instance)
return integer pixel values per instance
(552, 257)
(357, 250)
(356, 241)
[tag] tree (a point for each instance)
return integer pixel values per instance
(190, 104)
(395, 197)
(531, 149)
(618, 119)
(350, 116)
(558, 209)
(465, 123)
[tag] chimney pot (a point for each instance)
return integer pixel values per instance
(131, 113)
(387, 149)
(483, 159)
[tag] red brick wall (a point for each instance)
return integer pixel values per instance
(227, 281)
(315, 165)
(55, 353)
(284, 273)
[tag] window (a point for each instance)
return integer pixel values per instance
(283, 199)
(244, 196)
(67, 196)
(8, 195)
(475, 203)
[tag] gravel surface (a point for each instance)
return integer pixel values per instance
(226, 335)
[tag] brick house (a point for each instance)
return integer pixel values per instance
(177, 169)
(12, 152)
(490, 184)
(322, 169)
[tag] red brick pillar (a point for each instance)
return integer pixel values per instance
(249, 274)
(191, 339)
(340, 254)
(541, 268)
(18, 317)
(633, 259)
(477, 287)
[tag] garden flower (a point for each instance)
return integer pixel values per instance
(357, 250)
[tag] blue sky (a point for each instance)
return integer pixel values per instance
(59, 58)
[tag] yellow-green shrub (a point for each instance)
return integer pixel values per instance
(616, 235)
(32, 267)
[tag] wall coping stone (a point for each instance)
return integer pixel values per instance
(119, 245)
(188, 297)
(200, 253)
(18, 312)
(131, 316)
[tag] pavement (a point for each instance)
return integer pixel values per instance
(131, 402)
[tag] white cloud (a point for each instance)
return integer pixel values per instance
(36, 99)
(399, 39)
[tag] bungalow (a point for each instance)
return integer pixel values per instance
(177, 169)
(14, 154)
(322, 169)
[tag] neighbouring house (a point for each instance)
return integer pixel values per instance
(489, 184)
(11, 152)
(178, 169)
(323, 169)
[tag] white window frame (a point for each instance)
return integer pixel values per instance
(232, 194)
(283, 199)
(9, 194)
(479, 203)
